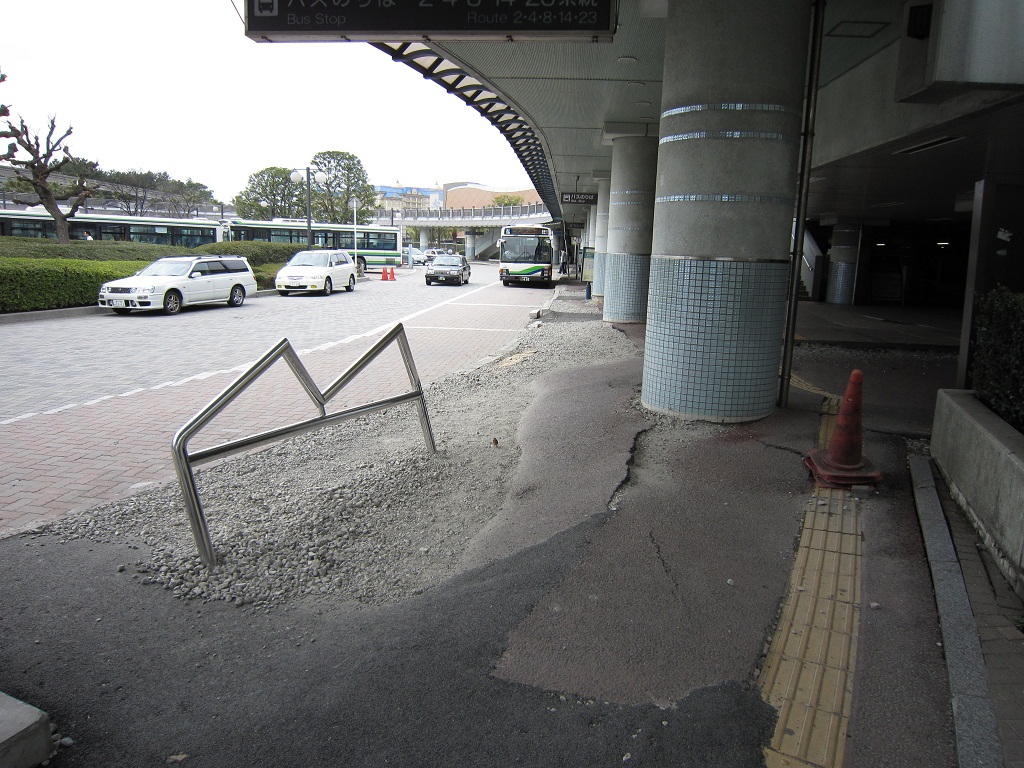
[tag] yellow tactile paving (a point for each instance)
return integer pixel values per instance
(808, 670)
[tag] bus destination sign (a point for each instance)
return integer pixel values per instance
(412, 20)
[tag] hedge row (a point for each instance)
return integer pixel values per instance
(33, 284)
(257, 254)
(998, 368)
(120, 250)
(89, 250)
(44, 274)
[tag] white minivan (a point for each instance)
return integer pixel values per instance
(320, 271)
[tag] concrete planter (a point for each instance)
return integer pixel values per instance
(982, 459)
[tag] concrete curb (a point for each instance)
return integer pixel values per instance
(24, 734)
(974, 717)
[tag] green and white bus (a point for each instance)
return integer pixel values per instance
(375, 246)
(526, 254)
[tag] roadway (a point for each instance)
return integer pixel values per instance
(91, 402)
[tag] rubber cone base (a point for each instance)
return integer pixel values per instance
(829, 475)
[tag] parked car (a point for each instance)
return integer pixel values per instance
(174, 282)
(320, 271)
(448, 269)
(431, 253)
(418, 256)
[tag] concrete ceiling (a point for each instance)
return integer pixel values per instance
(552, 100)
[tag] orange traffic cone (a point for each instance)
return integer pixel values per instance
(391, 275)
(843, 463)
(383, 273)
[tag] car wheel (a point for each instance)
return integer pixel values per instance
(505, 283)
(328, 287)
(237, 296)
(283, 293)
(351, 283)
(461, 279)
(172, 302)
(467, 277)
(121, 311)
(428, 281)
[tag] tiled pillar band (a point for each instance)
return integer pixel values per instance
(842, 263)
(627, 264)
(601, 235)
(730, 130)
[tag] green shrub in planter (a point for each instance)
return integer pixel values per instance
(998, 365)
(89, 250)
(33, 284)
(256, 253)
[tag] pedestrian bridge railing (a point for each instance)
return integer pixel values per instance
(488, 216)
(185, 460)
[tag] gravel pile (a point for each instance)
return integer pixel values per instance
(360, 511)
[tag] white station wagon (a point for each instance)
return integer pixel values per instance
(320, 271)
(174, 282)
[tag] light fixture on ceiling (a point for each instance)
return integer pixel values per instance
(862, 29)
(926, 145)
(635, 84)
(627, 59)
(643, 103)
(892, 204)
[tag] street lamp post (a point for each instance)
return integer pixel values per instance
(296, 177)
(355, 235)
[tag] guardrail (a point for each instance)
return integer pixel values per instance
(491, 212)
(184, 461)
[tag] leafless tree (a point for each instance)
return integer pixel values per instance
(46, 156)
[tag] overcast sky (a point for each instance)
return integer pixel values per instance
(175, 86)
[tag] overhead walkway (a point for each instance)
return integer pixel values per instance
(490, 217)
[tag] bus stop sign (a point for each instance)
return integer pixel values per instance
(413, 20)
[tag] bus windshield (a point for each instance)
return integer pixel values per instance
(526, 250)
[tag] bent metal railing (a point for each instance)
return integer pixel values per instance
(184, 461)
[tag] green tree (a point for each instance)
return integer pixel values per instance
(47, 156)
(507, 200)
(184, 198)
(346, 179)
(271, 194)
(135, 191)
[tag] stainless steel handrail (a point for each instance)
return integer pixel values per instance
(184, 461)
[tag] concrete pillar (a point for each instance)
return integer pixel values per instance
(723, 217)
(627, 264)
(842, 262)
(601, 232)
(424, 238)
(470, 244)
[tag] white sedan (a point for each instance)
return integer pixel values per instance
(320, 271)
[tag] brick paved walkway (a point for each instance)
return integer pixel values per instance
(78, 457)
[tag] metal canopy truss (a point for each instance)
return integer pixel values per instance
(184, 461)
(459, 81)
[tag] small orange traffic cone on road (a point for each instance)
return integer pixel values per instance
(391, 275)
(384, 273)
(843, 463)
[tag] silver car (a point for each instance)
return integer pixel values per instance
(174, 282)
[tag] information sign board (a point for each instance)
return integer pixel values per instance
(579, 198)
(412, 20)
